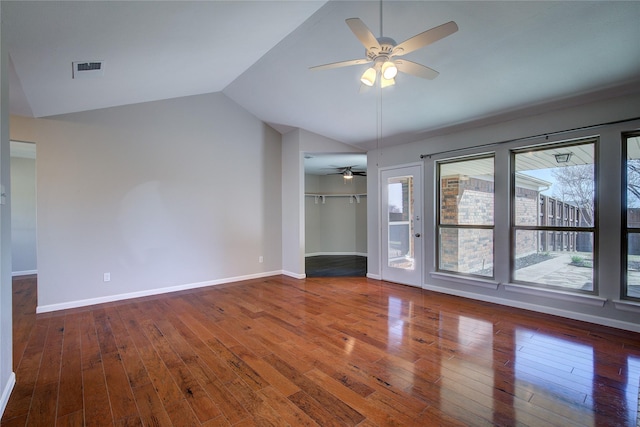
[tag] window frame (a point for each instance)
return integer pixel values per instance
(624, 267)
(514, 228)
(440, 226)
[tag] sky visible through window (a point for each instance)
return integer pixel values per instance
(395, 197)
(546, 175)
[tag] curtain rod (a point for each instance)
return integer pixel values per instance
(546, 135)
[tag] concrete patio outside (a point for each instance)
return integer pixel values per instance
(559, 271)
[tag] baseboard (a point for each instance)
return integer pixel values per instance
(6, 392)
(364, 254)
(374, 276)
(150, 292)
(604, 321)
(294, 275)
(23, 273)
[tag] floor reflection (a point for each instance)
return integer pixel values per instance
(478, 365)
(396, 321)
(470, 373)
(554, 368)
(476, 336)
(511, 375)
(632, 395)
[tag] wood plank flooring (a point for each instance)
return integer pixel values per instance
(336, 266)
(328, 352)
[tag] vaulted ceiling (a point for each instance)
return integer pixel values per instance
(507, 59)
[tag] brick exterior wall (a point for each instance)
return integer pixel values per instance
(527, 213)
(466, 202)
(470, 201)
(558, 213)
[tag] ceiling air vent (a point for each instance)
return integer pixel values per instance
(88, 69)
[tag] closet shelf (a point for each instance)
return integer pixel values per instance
(323, 196)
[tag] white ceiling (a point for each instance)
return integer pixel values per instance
(152, 50)
(507, 58)
(326, 164)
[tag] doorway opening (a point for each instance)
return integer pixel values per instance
(24, 260)
(335, 214)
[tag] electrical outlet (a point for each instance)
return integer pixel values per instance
(260, 259)
(107, 277)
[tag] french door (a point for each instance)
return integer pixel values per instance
(402, 228)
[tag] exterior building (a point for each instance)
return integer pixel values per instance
(468, 200)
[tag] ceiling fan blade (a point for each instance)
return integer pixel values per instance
(363, 33)
(425, 38)
(340, 64)
(417, 70)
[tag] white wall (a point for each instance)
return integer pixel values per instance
(337, 226)
(7, 377)
(605, 308)
(162, 195)
(23, 215)
(312, 216)
(292, 208)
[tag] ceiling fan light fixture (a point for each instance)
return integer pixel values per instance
(389, 70)
(386, 82)
(347, 174)
(369, 77)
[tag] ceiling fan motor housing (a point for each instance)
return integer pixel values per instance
(386, 49)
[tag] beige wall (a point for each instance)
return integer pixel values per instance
(161, 195)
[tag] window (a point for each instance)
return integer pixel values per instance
(631, 217)
(465, 216)
(401, 206)
(554, 247)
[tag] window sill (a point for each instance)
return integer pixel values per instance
(473, 281)
(555, 294)
(631, 306)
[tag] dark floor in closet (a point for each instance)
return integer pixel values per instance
(336, 265)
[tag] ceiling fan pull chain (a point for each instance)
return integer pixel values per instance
(381, 34)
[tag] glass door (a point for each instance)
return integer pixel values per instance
(402, 225)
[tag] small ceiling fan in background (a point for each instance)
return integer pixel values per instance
(347, 172)
(382, 51)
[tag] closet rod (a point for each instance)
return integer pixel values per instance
(546, 135)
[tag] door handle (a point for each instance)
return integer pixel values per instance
(417, 234)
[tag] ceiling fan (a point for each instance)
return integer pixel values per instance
(347, 172)
(382, 51)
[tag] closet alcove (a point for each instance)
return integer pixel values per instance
(335, 225)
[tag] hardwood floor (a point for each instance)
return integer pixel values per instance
(335, 266)
(329, 352)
